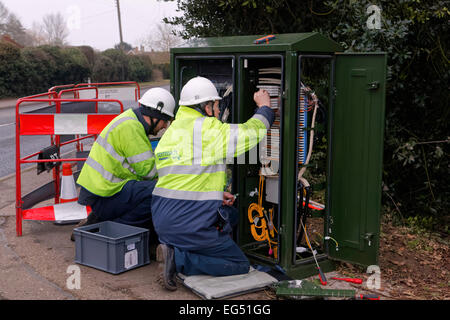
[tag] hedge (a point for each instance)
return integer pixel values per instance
(33, 70)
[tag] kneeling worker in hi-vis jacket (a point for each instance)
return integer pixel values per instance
(118, 178)
(190, 209)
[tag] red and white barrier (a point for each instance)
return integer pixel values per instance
(58, 212)
(63, 123)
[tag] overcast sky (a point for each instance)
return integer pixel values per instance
(94, 22)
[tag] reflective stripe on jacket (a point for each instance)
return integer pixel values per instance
(122, 152)
(191, 157)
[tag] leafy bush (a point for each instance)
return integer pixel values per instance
(119, 70)
(41, 68)
(33, 70)
(57, 59)
(103, 70)
(165, 69)
(48, 66)
(13, 73)
(114, 65)
(89, 54)
(139, 67)
(76, 66)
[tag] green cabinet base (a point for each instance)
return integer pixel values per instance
(302, 271)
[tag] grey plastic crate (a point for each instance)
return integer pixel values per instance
(112, 247)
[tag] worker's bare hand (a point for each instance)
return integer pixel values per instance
(278, 110)
(262, 98)
(228, 199)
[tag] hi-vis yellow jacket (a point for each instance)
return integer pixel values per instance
(191, 156)
(191, 160)
(122, 152)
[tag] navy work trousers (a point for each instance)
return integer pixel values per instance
(132, 206)
(223, 259)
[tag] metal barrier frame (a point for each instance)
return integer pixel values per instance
(56, 171)
(76, 95)
(137, 90)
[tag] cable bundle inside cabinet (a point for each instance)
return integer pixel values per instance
(269, 79)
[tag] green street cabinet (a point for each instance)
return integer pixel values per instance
(319, 168)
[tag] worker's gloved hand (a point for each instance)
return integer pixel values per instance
(228, 199)
(262, 98)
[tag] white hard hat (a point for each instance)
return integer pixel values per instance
(158, 99)
(198, 90)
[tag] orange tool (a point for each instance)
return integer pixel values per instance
(352, 280)
(265, 39)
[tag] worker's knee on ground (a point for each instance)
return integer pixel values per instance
(212, 261)
(231, 268)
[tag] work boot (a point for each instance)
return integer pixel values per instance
(152, 249)
(91, 219)
(166, 255)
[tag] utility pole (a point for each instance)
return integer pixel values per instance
(120, 25)
(121, 38)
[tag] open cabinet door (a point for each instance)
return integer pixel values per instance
(356, 155)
